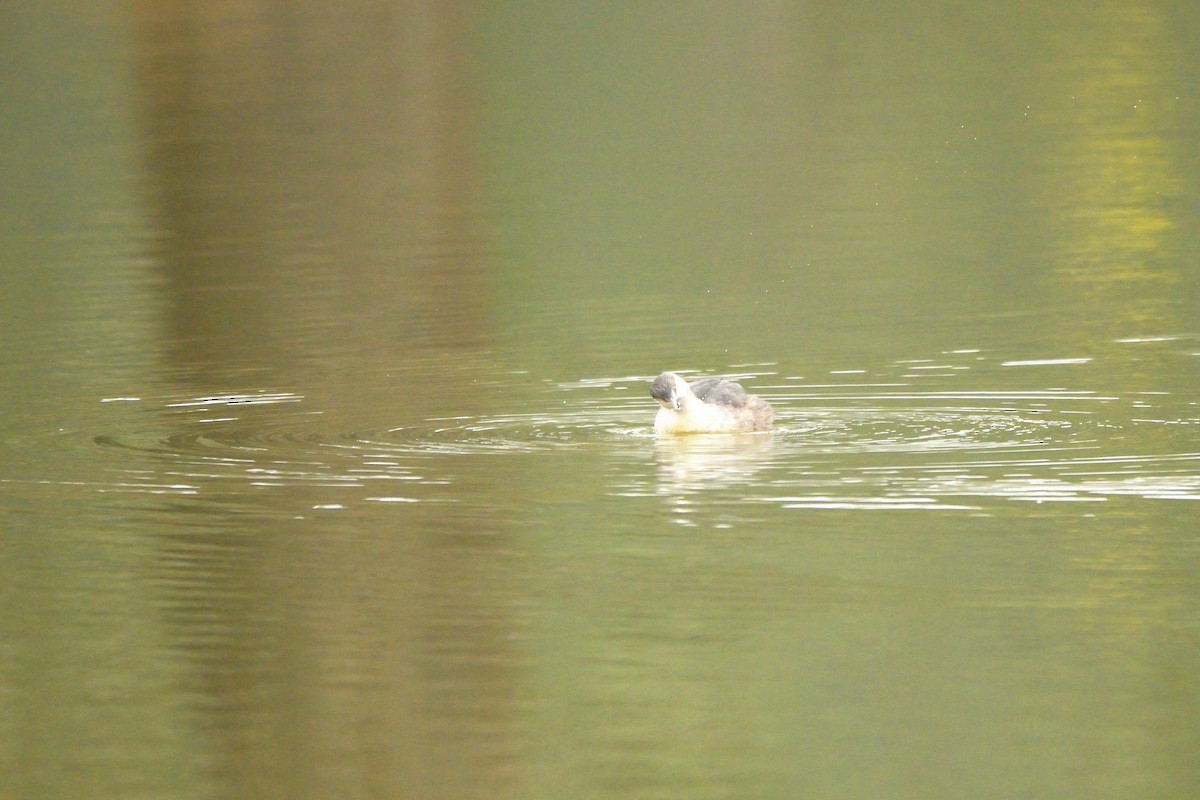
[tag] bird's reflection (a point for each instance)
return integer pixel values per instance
(688, 464)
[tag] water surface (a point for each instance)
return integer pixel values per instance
(326, 461)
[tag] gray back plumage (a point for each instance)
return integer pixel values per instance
(720, 392)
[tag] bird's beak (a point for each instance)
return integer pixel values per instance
(675, 401)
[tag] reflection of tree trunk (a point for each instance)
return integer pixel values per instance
(315, 178)
(316, 198)
(359, 666)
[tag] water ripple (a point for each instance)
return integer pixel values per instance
(876, 445)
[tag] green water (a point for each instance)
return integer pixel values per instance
(326, 461)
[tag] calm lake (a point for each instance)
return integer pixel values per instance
(327, 463)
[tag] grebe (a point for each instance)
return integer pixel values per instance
(711, 405)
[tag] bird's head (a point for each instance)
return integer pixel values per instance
(667, 391)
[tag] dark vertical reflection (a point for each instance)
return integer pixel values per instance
(336, 664)
(317, 198)
(314, 175)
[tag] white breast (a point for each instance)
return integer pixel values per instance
(695, 417)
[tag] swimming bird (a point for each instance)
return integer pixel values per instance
(710, 405)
